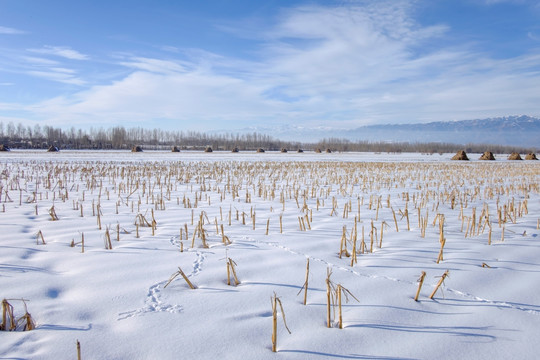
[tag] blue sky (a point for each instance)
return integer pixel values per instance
(216, 64)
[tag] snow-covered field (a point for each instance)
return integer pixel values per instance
(115, 303)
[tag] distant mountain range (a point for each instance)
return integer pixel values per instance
(520, 130)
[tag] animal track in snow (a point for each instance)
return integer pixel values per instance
(200, 256)
(339, 267)
(504, 304)
(153, 303)
(175, 241)
(198, 263)
(521, 307)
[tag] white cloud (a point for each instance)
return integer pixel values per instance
(337, 66)
(10, 31)
(50, 69)
(168, 48)
(143, 96)
(39, 61)
(63, 70)
(533, 36)
(58, 76)
(153, 65)
(61, 51)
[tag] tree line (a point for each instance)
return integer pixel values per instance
(119, 137)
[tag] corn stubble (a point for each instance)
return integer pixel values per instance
(423, 198)
(231, 270)
(275, 302)
(334, 295)
(11, 323)
(180, 272)
(441, 281)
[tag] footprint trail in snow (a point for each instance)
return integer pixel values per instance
(153, 301)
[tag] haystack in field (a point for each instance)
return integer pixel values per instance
(4, 147)
(300, 151)
(514, 156)
(137, 148)
(283, 150)
(318, 151)
(531, 156)
(208, 149)
(487, 155)
(260, 150)
(175, 149)
(53, 148)
(235, 150)
(328, 151)
(460, 155)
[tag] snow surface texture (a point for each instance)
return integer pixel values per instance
(114, 301)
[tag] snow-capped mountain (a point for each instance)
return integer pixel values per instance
(520, 130)
(512, 130)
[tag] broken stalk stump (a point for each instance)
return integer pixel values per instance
(275, 302)
(180, 272)
(441, 280)
(305, 286)
(420, 282)
(230, 269)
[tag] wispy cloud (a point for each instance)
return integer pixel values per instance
(49, 69)
(341, 66)
(63, 70)
(39, 61)
(143, 96)
(533, 36)
(61, 51)
(10, 31)
(168, 48)
(153, 65)
(59, 76)
(19, 62)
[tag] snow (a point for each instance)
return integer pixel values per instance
(114, 301)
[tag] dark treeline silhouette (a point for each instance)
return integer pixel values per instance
(118, 137)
